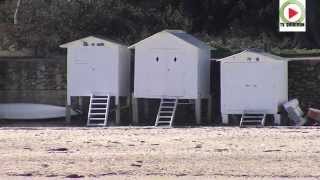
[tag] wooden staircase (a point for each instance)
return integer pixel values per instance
(98, 110)
(253, 119)
(166, 113)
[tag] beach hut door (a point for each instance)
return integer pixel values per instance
(156, 73)
(166, 74)
(175, 74)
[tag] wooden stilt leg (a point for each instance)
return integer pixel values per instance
(68, 109)
(80, 102)
(225, 119)
(118, 110)
(135, 117)
(198, 111)
(277, 119)
(146, 109)
(128, 101)
(209, 113)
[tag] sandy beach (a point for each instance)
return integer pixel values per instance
(149, 153)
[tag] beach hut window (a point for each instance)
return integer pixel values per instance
(85, 44)
(249, 58)
(175, 59)
(258, 59)
(100, 44)
(157, 59)
(93, 44)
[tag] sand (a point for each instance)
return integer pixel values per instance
(149, 153)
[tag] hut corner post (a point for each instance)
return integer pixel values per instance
(118, 110)
(209, 112)
(277, 119)
(80, 102)
(135, 118)
(146, 109)
(198, 111)
(68, 109)
(225, 119)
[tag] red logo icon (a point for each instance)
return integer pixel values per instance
(292, 13)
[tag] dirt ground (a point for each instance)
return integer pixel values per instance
(148, 153)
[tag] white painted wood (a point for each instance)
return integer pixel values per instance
(225, 119)
(277, 119)
(124, 71)
(198, 111)
(253, 81)
(118, 110)
(171, 64)
(97, 66)
(68, 109)
(204, 74)
(166, 112)
(135, 111)
(101, 104)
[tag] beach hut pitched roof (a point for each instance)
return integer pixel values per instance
(256, 51)
(182, 35)
(66, 45)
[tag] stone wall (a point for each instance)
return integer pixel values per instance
(33, 80)
(304, 83)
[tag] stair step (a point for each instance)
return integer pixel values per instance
(164, 122)
(102, 119)
(98, 108)
(98, 113)
(99, 99)
(99, 103)
(165, 116)
(258, 117)
(94, 124)
(252, 119)
(166, 112)
(253, 126)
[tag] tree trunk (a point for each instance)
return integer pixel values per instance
(15, 18)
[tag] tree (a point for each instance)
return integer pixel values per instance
(15, 21)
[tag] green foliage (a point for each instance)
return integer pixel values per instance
(228, 24)
(296, 52)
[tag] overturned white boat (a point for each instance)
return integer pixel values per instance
(32, 111)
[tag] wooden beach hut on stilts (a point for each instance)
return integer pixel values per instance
(98, 68)
(171, 65)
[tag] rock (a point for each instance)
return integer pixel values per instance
(272, 150)
(58, 150)
(221, 150)
(44, 165)
(109, 174)
(74, 176)
(136, 165)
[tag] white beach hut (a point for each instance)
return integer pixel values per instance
(171, 65)
(253, 82)
(99, 68)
